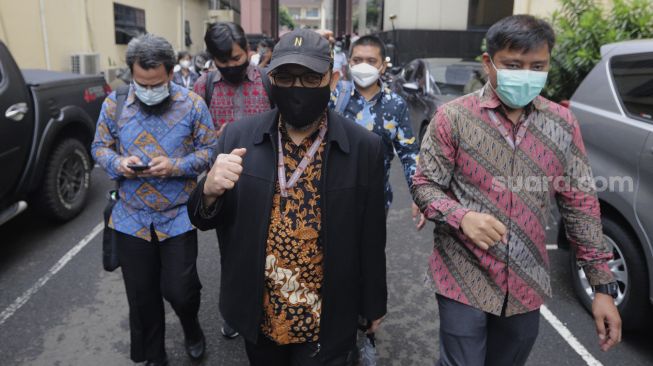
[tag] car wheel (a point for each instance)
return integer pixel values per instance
(629, 269)
(64, 189)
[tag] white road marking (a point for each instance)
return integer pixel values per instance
(24, 298)
(552, 247)
(568, 337)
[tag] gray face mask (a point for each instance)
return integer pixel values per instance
(151, 96)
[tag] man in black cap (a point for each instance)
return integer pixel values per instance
(296, 195)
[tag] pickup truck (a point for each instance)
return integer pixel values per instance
(47, 123)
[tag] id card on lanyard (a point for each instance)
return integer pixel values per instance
(519, 136)
(308, 157)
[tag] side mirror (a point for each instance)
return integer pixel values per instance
(411, 88)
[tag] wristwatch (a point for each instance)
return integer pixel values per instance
(611, 289)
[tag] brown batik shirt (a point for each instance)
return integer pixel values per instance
(293, 265)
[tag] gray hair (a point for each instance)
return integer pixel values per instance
(150, 51)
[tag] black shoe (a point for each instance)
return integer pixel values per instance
(228, 332)
(195, 350)
(163, 362)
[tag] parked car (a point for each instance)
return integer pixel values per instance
(426, 84)
(47, 122)
(614, 106)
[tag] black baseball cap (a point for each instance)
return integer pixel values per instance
(302, 47)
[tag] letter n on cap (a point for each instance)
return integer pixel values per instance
(298, 41)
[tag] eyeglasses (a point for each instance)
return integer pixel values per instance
(307, 80)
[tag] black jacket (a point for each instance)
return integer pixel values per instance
(353, 228)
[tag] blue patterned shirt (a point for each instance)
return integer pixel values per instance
(386, 114)
(184, 133)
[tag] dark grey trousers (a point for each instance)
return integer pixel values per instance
(472, 337)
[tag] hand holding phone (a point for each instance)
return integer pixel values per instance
(138, 167)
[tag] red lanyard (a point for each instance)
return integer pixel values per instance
(308, 157)
(504, 131)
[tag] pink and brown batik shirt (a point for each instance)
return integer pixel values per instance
(466, 163)
(230, 102)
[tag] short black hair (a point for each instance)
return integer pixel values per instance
(220, 37)
(182, 54)
(370, 40)
(519, 32)
(150, 51)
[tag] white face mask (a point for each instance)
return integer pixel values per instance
(365, 74)
(185, 64)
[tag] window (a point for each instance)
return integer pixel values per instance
(129, 22)
(295, 13)
(633, 78)
(313, 13)
(484, 13)
(188, 41)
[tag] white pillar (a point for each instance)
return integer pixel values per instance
(362, 17)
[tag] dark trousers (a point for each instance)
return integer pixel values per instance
(153, 271)
(471, 337)
(267, 353)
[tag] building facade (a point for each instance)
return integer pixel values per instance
(46, 34)
(450, 28)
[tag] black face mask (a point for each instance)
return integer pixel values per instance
(301, 106)
(234, 74)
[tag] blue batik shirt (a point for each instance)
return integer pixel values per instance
(184, 133)
(386, 114)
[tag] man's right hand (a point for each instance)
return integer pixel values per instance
(482, 229)
(124, 169)
(223, 175)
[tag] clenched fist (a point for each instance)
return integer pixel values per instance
(482, 229)
(223, 175)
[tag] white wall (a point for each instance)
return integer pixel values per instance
(426, 14)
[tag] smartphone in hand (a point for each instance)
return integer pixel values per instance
(138, 167)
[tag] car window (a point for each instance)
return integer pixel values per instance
(633, 77)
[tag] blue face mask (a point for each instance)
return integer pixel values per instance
(517, 88)
(151, 96)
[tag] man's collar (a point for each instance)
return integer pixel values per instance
(335, 134)
(489, 99)
(252, 73)
(382, 91)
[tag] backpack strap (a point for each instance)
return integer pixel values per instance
(265, 79)
(208, 91)
(121, 96)
(344, 94)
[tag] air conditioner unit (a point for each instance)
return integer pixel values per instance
(221, 16)
(85, 63)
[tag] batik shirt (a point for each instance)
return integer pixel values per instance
(184, 134)
(230, 102)
(292, 301)
(386, 114)
(468, 164)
